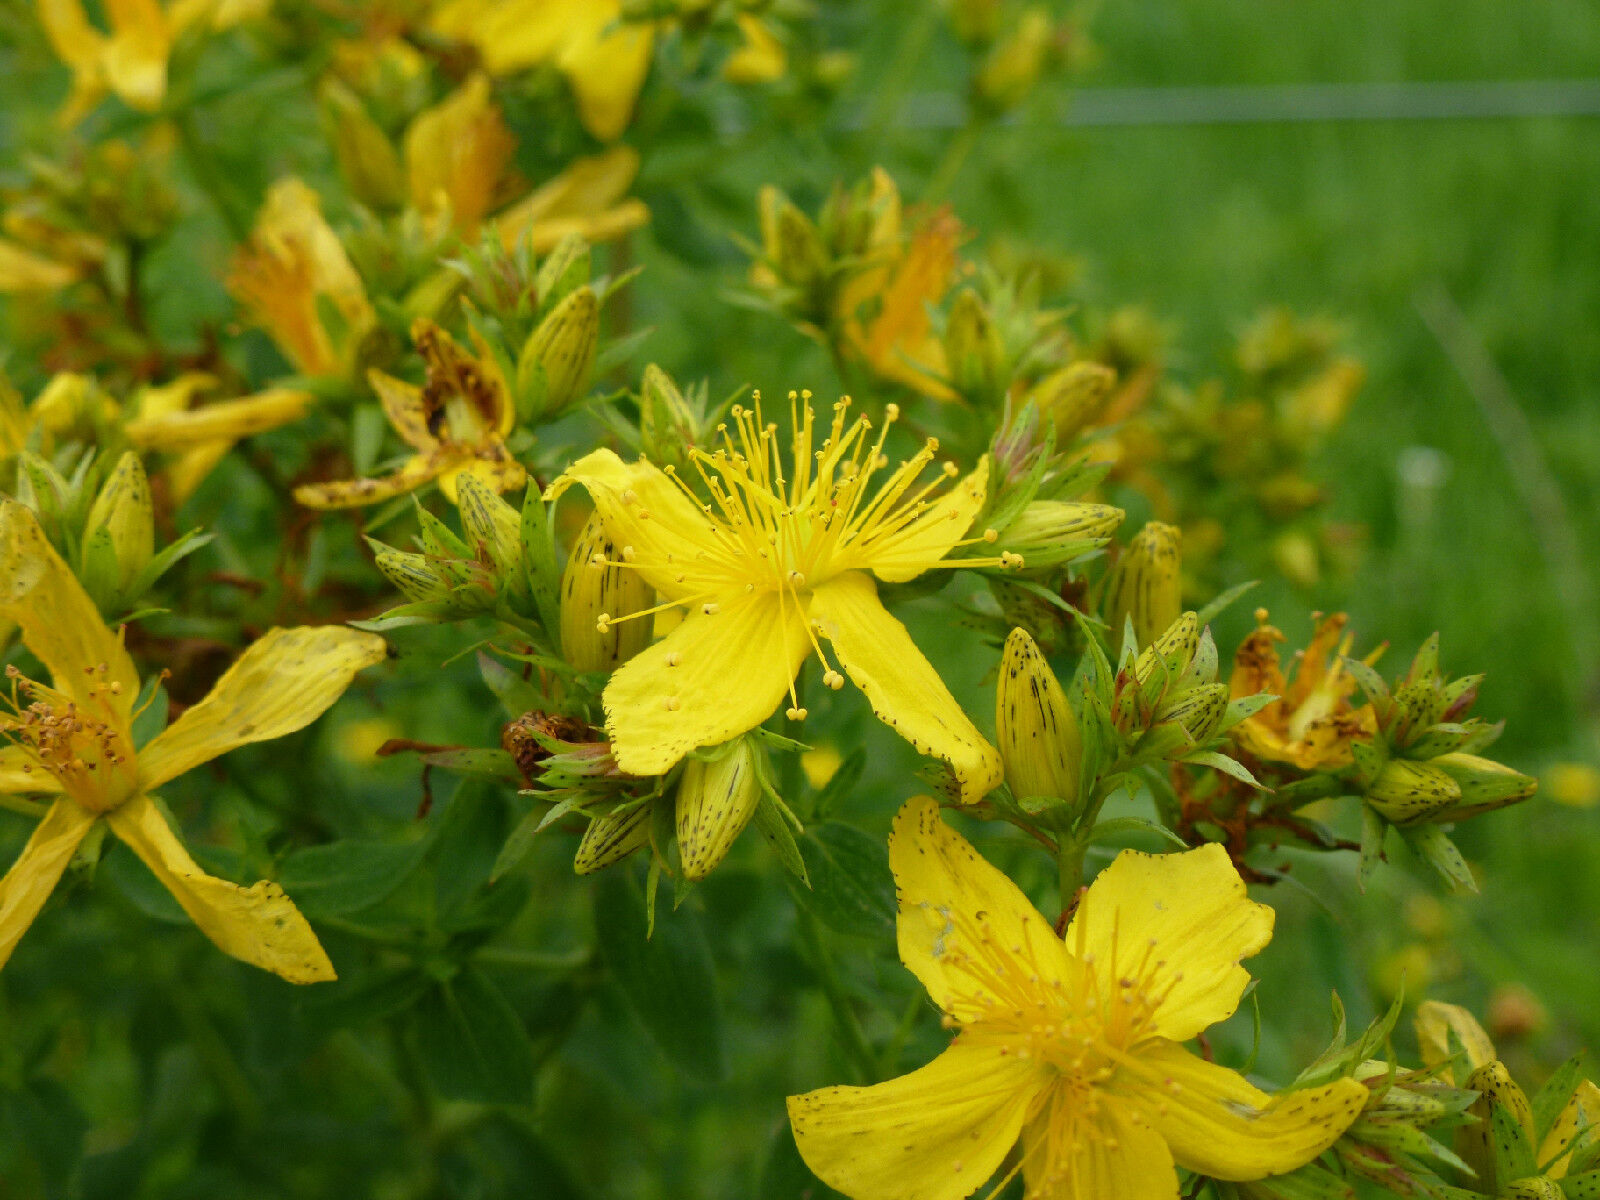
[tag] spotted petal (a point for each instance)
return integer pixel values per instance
(1438, 1024)
(352, 493)
(402, 404)
(901, 685)
(936, 1134)
(712, 678)
(1215, 1122)
(1582, 1111)
(59, 622)
(258, 924)
(1179, 924)
(284, 681)
(643, 508)
(957, 912)
(29, 882)
(926, 540)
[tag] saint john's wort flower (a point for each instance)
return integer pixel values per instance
(1073, 1046)
(73, 740)
(457, 421)
(772, 567)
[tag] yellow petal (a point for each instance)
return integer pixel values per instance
(955, 907)
(402, 404)
(76, 42)
(352, 493)
(24, 271)
(284, 681)
(59, 622)
(258, 924)
(136, 56)
(226, 421)
(901, 685)
(1215, 1122)
(27, 885)
(510, 34)
(909, 552)
(20, 771)
(1179, 923)
(710, 679)
(586, 198)
(1069, 1153)
(188, 470)
(606, 70)
(643, 508)
(1436, 1022)
(761, 58)
(1581, 1111)
(936, 1134)
(458, 151)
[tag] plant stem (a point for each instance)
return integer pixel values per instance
(1069, 865)
(955, 157)
(852, 1038)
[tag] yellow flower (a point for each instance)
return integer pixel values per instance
(199, 436)
(883, 309)
(1454, 1044)
(1074, 1047)
(73, 740)
(455, 422)
(604, 59)
(1312, 723)
(760, 57)
(458, 158)
(70, 408)
(291, 265)
(130, 60)
(21, 270)
(774, 566)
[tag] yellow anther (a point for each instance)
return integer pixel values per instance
(991, 536)
(674, 658)
(672, 704)
(833, 679)
(795, 714)
(709, 608)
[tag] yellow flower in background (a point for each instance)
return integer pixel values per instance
(1312, 723)
(773, 566)
(73, 741)
(22, 270)
(604, 58)
(167, 418)
(1074, 1047)
(884, 309)
(760, 57)
(1507, 1151)
(71, 407)
(458, 158)
(457, 421)
(292, 273)
(131, 59)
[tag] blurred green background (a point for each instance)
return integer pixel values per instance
(1484, 231)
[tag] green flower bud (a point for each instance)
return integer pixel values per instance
(716, 800)
(1015, 63)
(611, 838)
(1198, 711)
(1072, 397)
(669, 426)
(973, 347)
(597, 595)
(1040, 743)
(556, 360)
(367, 158)
(1145, 584)
(119, 537)
(1172, 651)
(564, 270)
(794, 248)
(1485, 785)
(492, 527)
(1407, 792)
(1498, 1147)
(1049, 532)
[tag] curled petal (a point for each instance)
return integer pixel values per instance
(938, 1133)
(284, 681)
(259, 924)
(712, 678)
(1178, 924)
(29, 882)
(1438, 1023)
(352, 493)
(1215, 1122)
(226, 421)
(901, 685)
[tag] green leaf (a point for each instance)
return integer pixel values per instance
(1115, 827)
(471, 1042)
(667, 979)
(785, 1176)
(348, 876)
(1225, 601)
(1434, 847)
(1228, 766)
(1553, 1096)
(852, 889)
(775, 826)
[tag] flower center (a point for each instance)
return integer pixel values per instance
(84, 746)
